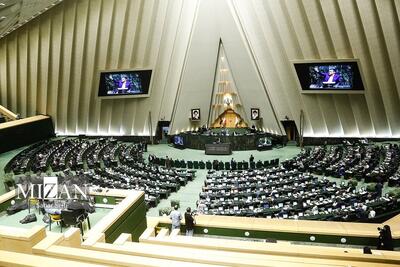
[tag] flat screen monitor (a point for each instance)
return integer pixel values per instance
(178, 141)
(329, 76)
(131, 83)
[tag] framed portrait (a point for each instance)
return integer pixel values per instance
(255, 114)
(195, 114)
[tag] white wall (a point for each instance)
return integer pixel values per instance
(50, 65)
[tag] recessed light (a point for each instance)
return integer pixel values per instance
(2, 4)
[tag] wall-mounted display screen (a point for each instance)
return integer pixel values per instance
(178, 140)
(124, 83)
(329, 76)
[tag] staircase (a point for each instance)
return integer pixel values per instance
(291, 143)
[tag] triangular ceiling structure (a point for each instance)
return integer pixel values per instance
(225, 93)
(15, 13)
(216, 21)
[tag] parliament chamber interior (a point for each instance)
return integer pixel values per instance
(199, 133)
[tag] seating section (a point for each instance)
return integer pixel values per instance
(279, 193)
(214, 165)
(103, 162)
(360, 161)
(157, 182)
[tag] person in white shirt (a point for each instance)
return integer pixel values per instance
(371, 214)
(176, 218)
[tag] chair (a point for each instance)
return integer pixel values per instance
(267, 164)
(162, 162)
(195, 164)
(276, 162)
(227, 165)
(245, 165)
(57, 219)
(208, 165)
(74, 218)
(33, 202)
(202, 165)
(240, 165)
(259, 165)
(190, 164)
(177, 164)
(183, 164)
(252, 165)
(220, 165)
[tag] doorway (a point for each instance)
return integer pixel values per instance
(162, 132)
(291, 130)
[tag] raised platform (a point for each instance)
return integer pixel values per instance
(241, 140)
(218, 149)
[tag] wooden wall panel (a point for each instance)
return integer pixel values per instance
(22, 69)
(51, 64)
(330, 29)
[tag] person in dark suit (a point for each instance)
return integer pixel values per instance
(251, 158)
(330, 77)
(167, 162)
(189, 222)
(378, 189)
(123, 85)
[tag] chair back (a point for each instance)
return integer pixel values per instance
(33, 201)
(72, 217)
(55, 217)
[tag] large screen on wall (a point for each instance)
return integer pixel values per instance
(330, 76)
(178, 140)
(135, 83)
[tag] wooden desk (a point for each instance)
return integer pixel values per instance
(22, 121)
(7, 113)
(18, 133)
(363, 234)
(131, 199)
(218, 149)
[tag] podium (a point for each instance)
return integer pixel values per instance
(218, 149)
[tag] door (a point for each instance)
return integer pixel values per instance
(291, 130)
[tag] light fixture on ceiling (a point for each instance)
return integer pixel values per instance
(2, 18)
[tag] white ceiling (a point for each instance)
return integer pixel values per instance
(15, 13)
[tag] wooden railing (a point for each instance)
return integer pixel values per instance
(9, 115)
